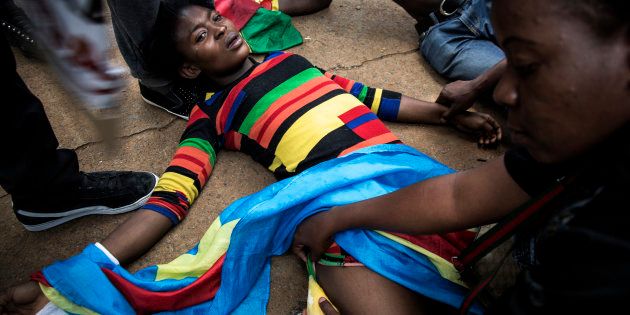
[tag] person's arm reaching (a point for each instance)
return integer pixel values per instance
(441, 204)
(393, 106)
(483, 125)
(175, 192)
(459, 96)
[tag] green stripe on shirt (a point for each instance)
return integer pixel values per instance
(201, 145)
(286, 87)
(363, 93)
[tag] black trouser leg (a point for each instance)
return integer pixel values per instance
(32, 169)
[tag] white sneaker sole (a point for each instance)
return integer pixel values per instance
(77, 213)
(162, 108)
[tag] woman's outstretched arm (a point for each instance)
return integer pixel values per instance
(440, 204)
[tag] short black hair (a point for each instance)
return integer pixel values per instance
(160, 52)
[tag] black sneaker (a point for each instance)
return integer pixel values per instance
(179, 100)
(98, 193)
(18, 29)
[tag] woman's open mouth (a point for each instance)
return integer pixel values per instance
(233, 40)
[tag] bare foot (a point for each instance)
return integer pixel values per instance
(26, 298)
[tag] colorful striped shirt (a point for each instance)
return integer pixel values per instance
(286, 114)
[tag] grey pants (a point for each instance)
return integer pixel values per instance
(133, 21)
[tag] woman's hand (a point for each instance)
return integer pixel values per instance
(26, 298)
(327, 307)
(313, 236)
(458, 96)
(484, 125)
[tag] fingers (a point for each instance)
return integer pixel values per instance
(327, 307)
(496, 127)
(443, 99)
(491, 131)
(313, 236)
(298, 250)
(316, 254)
(448, 114)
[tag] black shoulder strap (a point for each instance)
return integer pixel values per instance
(532, 211)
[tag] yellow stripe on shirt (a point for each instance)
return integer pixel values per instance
(298, 141)
(376, 103)
(172, 182)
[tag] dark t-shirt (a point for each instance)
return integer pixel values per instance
(533, 177)
(578, 262)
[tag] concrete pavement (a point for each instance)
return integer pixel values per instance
(367, 40)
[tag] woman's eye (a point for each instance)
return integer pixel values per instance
(217, 17)
(201, 36)
(526, 70)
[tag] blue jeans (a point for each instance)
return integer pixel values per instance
(464, 46)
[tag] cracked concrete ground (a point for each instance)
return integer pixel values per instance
(367, 40)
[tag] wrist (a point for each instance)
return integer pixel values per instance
(489, 79)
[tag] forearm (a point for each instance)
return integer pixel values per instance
(136, 235)
(416, 111)
(489, 79)
(174, 194)
(441, 204)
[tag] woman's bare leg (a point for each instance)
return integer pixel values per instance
(358, 290)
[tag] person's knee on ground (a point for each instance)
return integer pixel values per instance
(456, 54)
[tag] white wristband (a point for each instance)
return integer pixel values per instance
(107, 253)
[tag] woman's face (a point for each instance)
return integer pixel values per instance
(210, 41)
(566, 88)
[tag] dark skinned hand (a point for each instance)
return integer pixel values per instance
(313, 236)
(327, 307)
(458, 96)
(26, 298)
(483, 125)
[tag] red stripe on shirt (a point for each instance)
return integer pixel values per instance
(224, 112)
(371, 129)
(289, 98)
(282, 113)
(195, 115)
(354, 113)
(382, 139)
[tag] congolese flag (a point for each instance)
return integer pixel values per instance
(228, 270)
